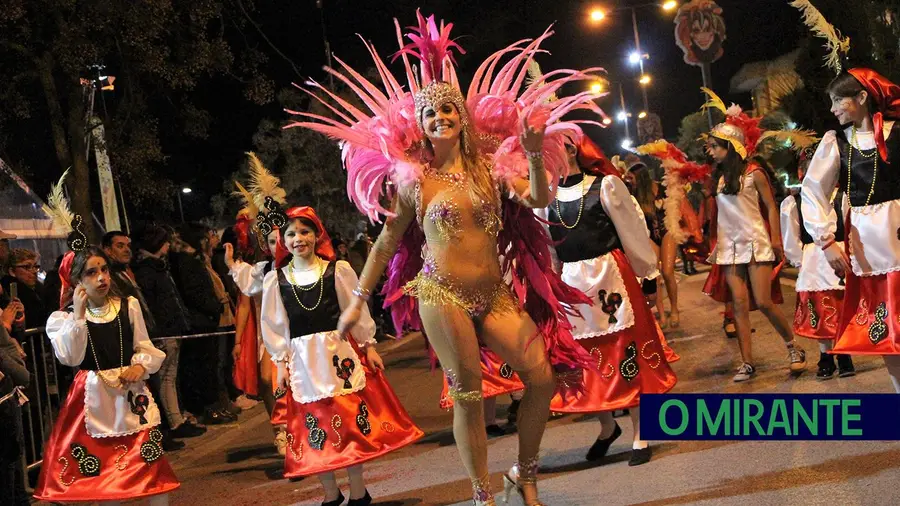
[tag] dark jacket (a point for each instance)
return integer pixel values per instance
(12, 374)
(35, 310)
(197, 292)
(162, 297)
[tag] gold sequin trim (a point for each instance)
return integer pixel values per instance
(290, 440)
(436, 290)
(65, 462)
(569, 379)
(830, 313)
(335, 425)
(455, 392)
(650, 357)
(862, 316)
(119, 464)
(612, 370)
(446, 217)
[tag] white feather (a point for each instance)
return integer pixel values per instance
(57, 206)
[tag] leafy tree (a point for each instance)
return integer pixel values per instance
(161, 52)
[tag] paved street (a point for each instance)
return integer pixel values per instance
(236, 464)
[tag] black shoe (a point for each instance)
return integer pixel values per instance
(512, 412)
(495, 430)
(365, 501)
(639, 457)
(233, 409)
(170, 445)
(826, 367)
(725, 323)
(845, 366)
(187, 429)
(601, 446)
(338, 501)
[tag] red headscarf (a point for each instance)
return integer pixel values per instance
(242, 229)
(592, 160)
(324, 249)
(887, 100)
(65, 273)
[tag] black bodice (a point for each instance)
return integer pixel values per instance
(105, 340)
(594, 236)
(805, 237)
(887, 183)
(323, 318)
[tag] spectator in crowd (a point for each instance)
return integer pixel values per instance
(22, 270)
(199, 357)
(13, 374)
(226, 320)
(117, 246)
(341, 250)
(151, 271)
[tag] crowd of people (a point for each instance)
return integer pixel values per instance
(529, 261)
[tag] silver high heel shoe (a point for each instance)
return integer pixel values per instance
(521, 473)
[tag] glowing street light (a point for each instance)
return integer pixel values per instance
(607, 121)
(622, 116)
(642, 115)
(597, 87)
(626, 144)
(668, 6)
(634, 58)
(186, 190)
(645, 79)
(597, 15)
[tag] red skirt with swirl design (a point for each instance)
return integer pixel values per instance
(630, 362)
(346, 430)
(81, 468)
(818, 314)
(870, 319)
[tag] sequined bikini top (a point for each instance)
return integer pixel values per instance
(445, 213)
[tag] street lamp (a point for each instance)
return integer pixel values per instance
(607, 121)
(597, 15)
(597, 87)
(644, 80)
(185, 191)
(626, 144)
(622, 116)
(642, 115)
(670, 5)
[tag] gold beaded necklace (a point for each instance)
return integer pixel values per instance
(295, 286)
(875, 155)
(121, 343)
(580, 207)
(102, 311)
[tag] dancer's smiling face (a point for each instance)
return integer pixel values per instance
(300, 239)
(442, 122)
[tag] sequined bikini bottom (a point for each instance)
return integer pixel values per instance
(437, 290)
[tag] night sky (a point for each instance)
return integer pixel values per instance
(757, 30)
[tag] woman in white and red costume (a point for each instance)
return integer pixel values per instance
(604, 247)
(342, 411)
(748, 252)
(861, 160)
(465, 173)
(820, 292)
(105, 445)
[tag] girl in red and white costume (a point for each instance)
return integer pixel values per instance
(604, 247)
(342, 412)
(105, 446)
(820, 292)
(862, 161)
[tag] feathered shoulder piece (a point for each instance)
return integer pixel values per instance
(837, 45)
(57, 208)
(678, 171)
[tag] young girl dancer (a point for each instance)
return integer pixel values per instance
(342, 412)
(748, 242)
(604, 247)
(820, 292)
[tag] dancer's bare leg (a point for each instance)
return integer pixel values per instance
(635, 414)
(451, 335)
(736, 278)
(357, 482)
(514, 337)
(329, 483)
(265, 382)
(761, 283)
(667, 257)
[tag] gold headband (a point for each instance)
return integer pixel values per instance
(436, 94)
